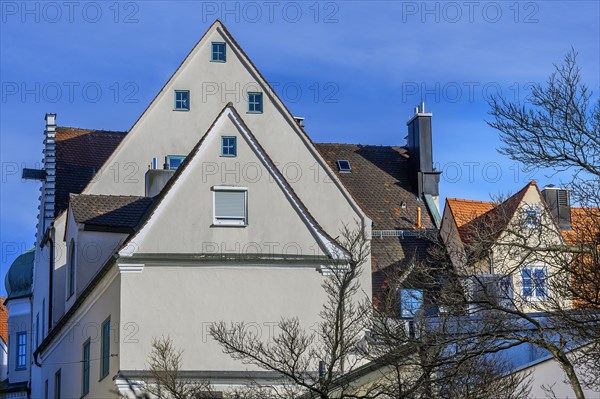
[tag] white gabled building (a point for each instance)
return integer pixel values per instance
(215, 205)
(224, 230)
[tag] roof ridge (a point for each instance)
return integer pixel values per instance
(93, 130)
(364, 145)
(470, 200)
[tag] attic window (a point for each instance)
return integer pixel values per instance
(228, 146)
(174, 161)
(218, 52)
(532, 218)
(182, 100)
(255, 103)
(344, 166)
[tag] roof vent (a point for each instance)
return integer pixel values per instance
(299, 120)
(344, 166)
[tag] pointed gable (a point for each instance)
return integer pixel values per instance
(490, 219)
(163, 130)
(277, 218)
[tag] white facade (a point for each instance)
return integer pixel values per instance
(158, 284)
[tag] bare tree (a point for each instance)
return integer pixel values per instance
(310, 361)
(165, 379)
(429, 358)
(559, 128)
(453, 354)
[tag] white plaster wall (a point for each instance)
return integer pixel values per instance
(182, 302)
(184, 221)
(550, 374)
(66, 352)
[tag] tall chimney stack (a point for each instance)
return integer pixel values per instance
(420, 149)
(559, 202)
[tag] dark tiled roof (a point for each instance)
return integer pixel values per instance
(394, 257)
(379, 183)
(80, 153)
(109, 211)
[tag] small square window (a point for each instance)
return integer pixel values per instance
(230, 206)
(228, 146)
(182, 100)
(218, 53)
(344, 166)
(174, 161)
(255, 103)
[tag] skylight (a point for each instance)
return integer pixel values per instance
(344, 166)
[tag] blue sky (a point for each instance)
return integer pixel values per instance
(354, 69)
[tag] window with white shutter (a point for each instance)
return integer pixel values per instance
(230, 206)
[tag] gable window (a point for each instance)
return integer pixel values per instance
(255, 103)
(105, 349)
(532, 218)
(182, 100)
(218, 52)
(174, 161)
(534, 282)
(21, 350)
(411, 301)
(85, 369)
(230, 206)
(228, 146)
(71, 268)
(57, 385)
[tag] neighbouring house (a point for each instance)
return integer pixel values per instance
(18, 282)
(497, 246)
(211, 207)
(516, 251)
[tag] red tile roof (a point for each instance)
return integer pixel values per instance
(585, 226)
(486, 219)
(80, 153)
(3, 320)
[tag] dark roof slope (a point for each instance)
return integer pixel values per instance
(80, 153)
(379, 182)
(110, 212)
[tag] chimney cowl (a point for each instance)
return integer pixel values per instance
(559, 201)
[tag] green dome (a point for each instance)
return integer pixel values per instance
(19, 278)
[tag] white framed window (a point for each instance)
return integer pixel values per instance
(230, 206)
(534, 282)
